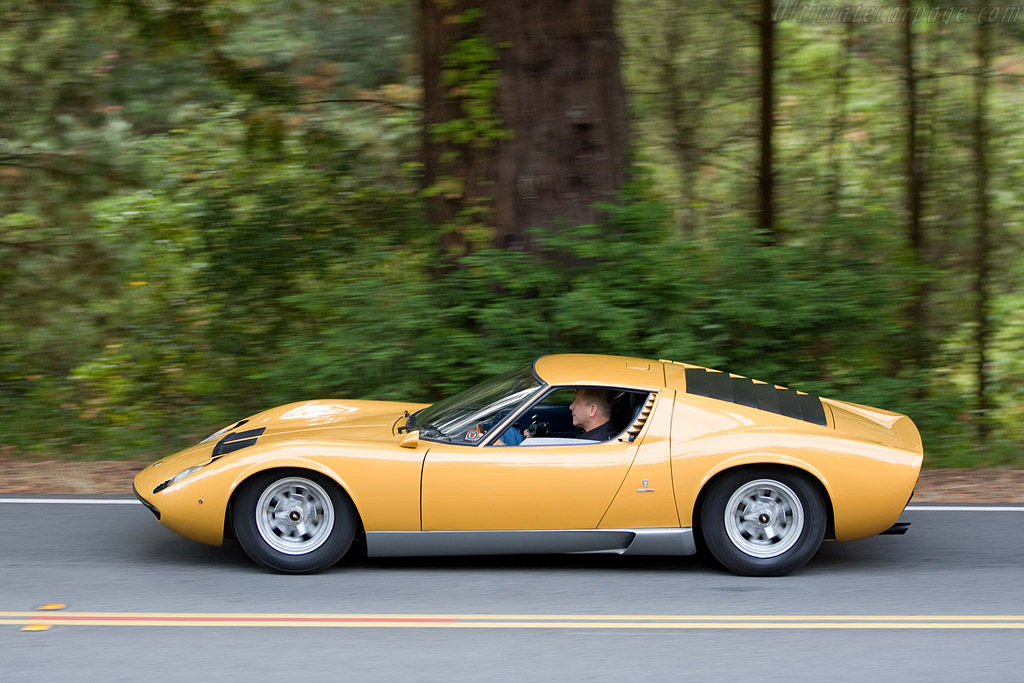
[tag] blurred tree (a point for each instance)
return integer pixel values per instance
(63, 144)
(841, 81)
(983, 250)
(106, 298)
(766, 221)
(681, 63)
(207, 207)
(916, 329)
(525, 119)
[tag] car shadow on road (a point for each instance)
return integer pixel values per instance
(833, 558)
(881, 553)
(579, 561)
(174, 551)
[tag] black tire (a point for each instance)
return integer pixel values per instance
(294, 521)
(763, 522)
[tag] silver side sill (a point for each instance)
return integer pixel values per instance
(672, 541)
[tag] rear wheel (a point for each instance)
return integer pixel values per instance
(761, 522)
(294, 522)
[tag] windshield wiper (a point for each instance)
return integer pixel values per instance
(432, 432)
(427, 431)
(410, 422)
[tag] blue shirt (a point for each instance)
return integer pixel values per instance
(512, 436)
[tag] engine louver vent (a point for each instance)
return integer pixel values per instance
(641, 418)
(745, 391)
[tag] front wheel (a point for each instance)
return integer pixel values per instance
(763, 522)
(294, 522)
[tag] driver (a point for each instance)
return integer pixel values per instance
(592, 412)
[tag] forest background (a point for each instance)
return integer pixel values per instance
(208, 208)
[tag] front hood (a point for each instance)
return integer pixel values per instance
(354, 419)
(332, 420)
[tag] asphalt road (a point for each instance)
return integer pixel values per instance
(942, 603)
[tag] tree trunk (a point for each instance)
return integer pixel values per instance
(683, 118)
(916, 352)
(983, 329)
(842, 80)
(559, 100)
(766, 171)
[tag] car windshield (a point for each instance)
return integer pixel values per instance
(468, 415)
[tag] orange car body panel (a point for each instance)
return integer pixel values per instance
(866, 460)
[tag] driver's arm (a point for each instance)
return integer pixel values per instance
(511, 437)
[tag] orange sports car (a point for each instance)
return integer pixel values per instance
(568, 454)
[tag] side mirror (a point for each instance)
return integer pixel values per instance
(410, 440)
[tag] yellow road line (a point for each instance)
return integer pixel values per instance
(521, 621)
(704, 625)
(525, 617)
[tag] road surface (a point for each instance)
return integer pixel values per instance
(132, 602)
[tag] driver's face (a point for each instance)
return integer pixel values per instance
(580, 411)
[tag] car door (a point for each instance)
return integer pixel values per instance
(522, 487)
(549, 481)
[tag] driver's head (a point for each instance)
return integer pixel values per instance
(591, 408)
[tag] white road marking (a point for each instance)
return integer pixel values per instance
(71, 501)
(37, 621)
(965, 508)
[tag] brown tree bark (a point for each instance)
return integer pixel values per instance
(916, 352)
(983, 254)
(842, 81)
(559, 96)
(684, 115)
(766, 170)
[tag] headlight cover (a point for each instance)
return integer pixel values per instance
(179, 476)
(248, 438)
(226, 429)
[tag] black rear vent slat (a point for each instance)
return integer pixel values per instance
(813, 410)
(721, 387)
(767, 397)
(789, 402)
(697, 382)
(746, 392)
(743, 392)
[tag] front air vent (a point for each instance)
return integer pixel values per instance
(746, 392)
(236, 441)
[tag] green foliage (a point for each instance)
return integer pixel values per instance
(107, 287)
(471, 78)
(471, 75)
(817, 317)
(210, 208)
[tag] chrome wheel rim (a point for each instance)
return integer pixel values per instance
(764, 518)
(294, 516)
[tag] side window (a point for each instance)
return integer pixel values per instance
(550, 421)
(471, 427)
(550, 417)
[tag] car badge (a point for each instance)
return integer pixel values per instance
(645, 488)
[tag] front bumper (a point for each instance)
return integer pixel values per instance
(152, 508)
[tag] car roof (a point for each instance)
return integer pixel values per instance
(598, 370)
